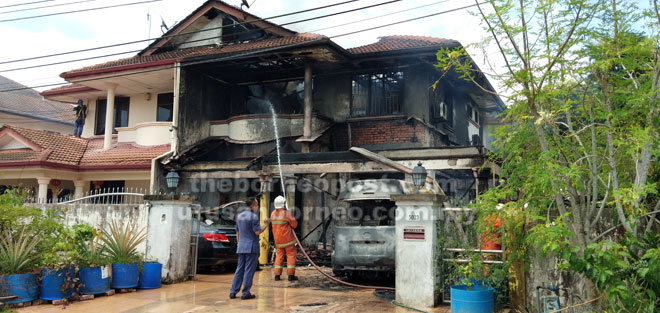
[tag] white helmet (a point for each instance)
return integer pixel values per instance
(280, 202)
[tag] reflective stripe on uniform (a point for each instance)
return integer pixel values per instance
(279, 222)
(278, 266)
(285, 244)
(290, 266)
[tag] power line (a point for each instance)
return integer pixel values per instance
(202, 39)
(77, 11)
(25, 3)
(47, 6)
(249, 53)
(176, 35)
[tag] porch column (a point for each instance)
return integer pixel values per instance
(109, 115)
(290, 183)
(78, 191)
(307, 122)
(42, 195)
(264, 204)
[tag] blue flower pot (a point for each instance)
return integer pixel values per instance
(57, 284)
(124, 275)
(479, 299)
(24, 286)
(94, 280)
(150, 276)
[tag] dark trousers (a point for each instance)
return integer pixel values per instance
(247, 264)
(77, 129)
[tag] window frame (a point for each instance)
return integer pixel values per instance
(168, 102)
(371, 108)
(102, 103)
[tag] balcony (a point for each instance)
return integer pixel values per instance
(258, 128)
(146, 134)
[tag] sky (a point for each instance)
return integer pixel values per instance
(61, 33)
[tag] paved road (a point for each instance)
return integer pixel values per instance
(210, 293)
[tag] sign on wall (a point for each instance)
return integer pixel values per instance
(415, 233)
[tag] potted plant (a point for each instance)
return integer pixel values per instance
(472, 294)
(94, 266)
(58, 275)
(121, 243)
(150, 274)
(18, 260)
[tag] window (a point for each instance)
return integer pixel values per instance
(120, 114)
(472, 113)
(442, 104)
(377, 94)
(165, 104)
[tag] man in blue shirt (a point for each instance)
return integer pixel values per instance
(247, 235)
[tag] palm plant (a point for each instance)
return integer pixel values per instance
(18, 253)
(121, 242)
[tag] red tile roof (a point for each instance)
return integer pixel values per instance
(402, 42)
(28, 102)
(78, 153)
(178, 55)
(65, 149)
(123, 153)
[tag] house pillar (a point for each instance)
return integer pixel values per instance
(78, 191)
(42, 195)
(109, 115)
(264, 203)
(290, 183)
(307, 122)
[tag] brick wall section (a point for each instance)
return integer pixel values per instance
(385, 130)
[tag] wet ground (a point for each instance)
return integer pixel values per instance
(209, 292)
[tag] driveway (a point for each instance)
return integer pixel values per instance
(210, 293)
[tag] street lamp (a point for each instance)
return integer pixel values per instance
(419, 175)
(172, 180)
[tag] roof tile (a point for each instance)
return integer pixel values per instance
(29, 101)
(223, 50)
(402, 42)
(70, 150)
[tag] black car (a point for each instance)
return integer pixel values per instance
(216, 243)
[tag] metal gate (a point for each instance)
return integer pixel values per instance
(196, 211)
(459, 240)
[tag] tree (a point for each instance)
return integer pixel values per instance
(581, 140)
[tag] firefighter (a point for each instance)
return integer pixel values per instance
(283, 224)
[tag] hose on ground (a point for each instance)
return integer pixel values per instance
(407, 307)
(332, 278)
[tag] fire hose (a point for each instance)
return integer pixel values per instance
(333, 278)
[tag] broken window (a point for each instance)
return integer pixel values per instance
(442, 103)
(367, 213)
(285, 97)
(120, 114)
(377, 94)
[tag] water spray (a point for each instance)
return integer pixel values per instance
(279, 165)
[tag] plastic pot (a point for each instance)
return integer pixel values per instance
(23, 286)
(125, 275)
(150, 276)
(479, 299)
(57, 284)
(95, 280)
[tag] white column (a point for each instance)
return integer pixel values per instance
(109, 115)
(307, 122)
(416, 244)
(79, 185)
(290, 183)
(42, 195)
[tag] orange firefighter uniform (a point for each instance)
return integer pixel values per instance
(283, 223)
